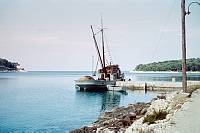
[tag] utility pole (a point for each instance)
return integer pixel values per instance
(183, 15)
(184, 76)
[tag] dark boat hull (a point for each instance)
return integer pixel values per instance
(93, 85)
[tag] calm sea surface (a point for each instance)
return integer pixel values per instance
(48, 101)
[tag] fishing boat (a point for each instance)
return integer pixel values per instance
(107, 75)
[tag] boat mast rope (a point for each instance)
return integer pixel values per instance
(108, 50)
(158, 41)
(95, 70)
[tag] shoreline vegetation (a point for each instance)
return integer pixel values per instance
(155, 116)
(193, 65)
(163, 72)
(7, 66)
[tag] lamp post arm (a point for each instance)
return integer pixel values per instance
(188, 11)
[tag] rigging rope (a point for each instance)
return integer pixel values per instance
(108, 50)
(94, 74)
(163, 27)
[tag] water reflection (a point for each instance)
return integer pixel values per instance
(105, 100)
(110, 100)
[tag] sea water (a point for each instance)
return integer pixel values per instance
(48, 101)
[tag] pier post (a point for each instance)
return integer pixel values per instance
(145, 87)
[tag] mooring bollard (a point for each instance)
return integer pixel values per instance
(173, 79)
(145, 87)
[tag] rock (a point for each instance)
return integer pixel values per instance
(140, 103)
(131, 111)
(154, 99)
(138, 117)
(144, 110)
(85, 130)
(157, 105)
(119, 123)
(132, 116)
(107, 114)
(115, 129)
(105, 123)
(178, 106)
(117, 119)
(161, 97)
(131, 107)
(138, 110)
(126, 121)
(169, 116)
(119, 116)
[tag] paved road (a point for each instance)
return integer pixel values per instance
(188, 119)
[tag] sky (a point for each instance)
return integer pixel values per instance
(56, 34)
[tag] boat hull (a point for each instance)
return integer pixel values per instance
(93, 85)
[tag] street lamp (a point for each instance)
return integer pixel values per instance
(183, 14)
(188, 11)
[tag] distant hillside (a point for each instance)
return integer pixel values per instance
(5, 65)
(193, 64)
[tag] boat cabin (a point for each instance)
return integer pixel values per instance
(111, 72)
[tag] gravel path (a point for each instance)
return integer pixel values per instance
(187, 120)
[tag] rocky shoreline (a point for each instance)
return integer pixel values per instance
(164, 109)
(154, 116)
(118, 119)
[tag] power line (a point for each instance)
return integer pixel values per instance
(162, 29)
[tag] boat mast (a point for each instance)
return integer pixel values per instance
(95, 42)
(103, 49)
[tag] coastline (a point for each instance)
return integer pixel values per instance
(12, 71)
(118, 119)
(163, 72)
(133, 121)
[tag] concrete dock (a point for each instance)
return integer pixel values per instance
(154, 85)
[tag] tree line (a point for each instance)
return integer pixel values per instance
(6, 65)
(193, 64)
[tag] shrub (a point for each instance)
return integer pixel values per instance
(160, 115)
(193, 88)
